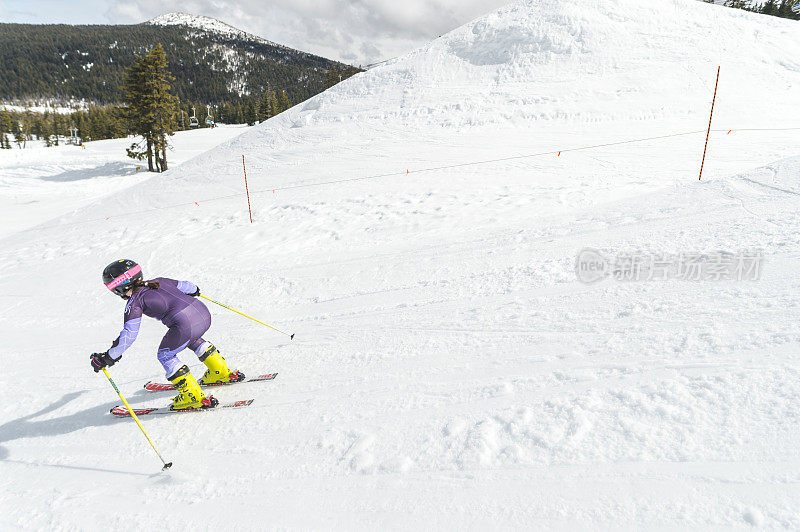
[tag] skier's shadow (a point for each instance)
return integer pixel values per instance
(26, 427)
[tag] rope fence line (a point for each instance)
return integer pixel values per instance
(402, 173)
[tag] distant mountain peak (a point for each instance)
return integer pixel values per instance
(207, 24)
(212, 61)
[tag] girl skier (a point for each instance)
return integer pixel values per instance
(173, 303)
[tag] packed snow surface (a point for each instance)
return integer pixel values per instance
(448, 370)
(38, 183)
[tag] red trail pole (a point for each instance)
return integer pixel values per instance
(247, 190)
(716, 84)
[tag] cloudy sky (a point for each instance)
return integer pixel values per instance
(354, 31)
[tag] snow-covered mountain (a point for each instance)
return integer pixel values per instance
(212, 62)
(207, 24)
(417, 228)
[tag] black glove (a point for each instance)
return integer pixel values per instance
(101, 360)
(196, 292)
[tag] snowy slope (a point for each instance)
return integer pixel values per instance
(448, 369)
(39, 183)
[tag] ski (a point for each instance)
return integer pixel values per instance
(121, 411)
(161, 387)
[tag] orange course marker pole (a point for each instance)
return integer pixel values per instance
(708, 133)
(247, 190)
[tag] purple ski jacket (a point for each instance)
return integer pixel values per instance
(170, 304)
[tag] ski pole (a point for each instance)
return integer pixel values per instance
(167, 465)
(291, 336)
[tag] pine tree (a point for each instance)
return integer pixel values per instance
(45, 131)
(283, 102)
(273, 105)
(5, 127)
(263, 107)
(228, 113)
(80, 123)
(250, 115)
(56, 127)
(37, 125)
(785, 10)
(333, 77)
(150, 107)
(19, 137)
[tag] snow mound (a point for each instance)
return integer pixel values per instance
(518, 30)
(581, 62)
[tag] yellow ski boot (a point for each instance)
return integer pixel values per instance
(190, 396)
(218, 371)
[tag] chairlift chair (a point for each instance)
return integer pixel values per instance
(193, 119)
(209, 118)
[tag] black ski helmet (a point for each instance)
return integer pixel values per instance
(119, 275)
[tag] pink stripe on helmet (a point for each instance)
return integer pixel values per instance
(124, 277)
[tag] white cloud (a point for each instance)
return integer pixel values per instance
(355, 31)
(52, 12)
